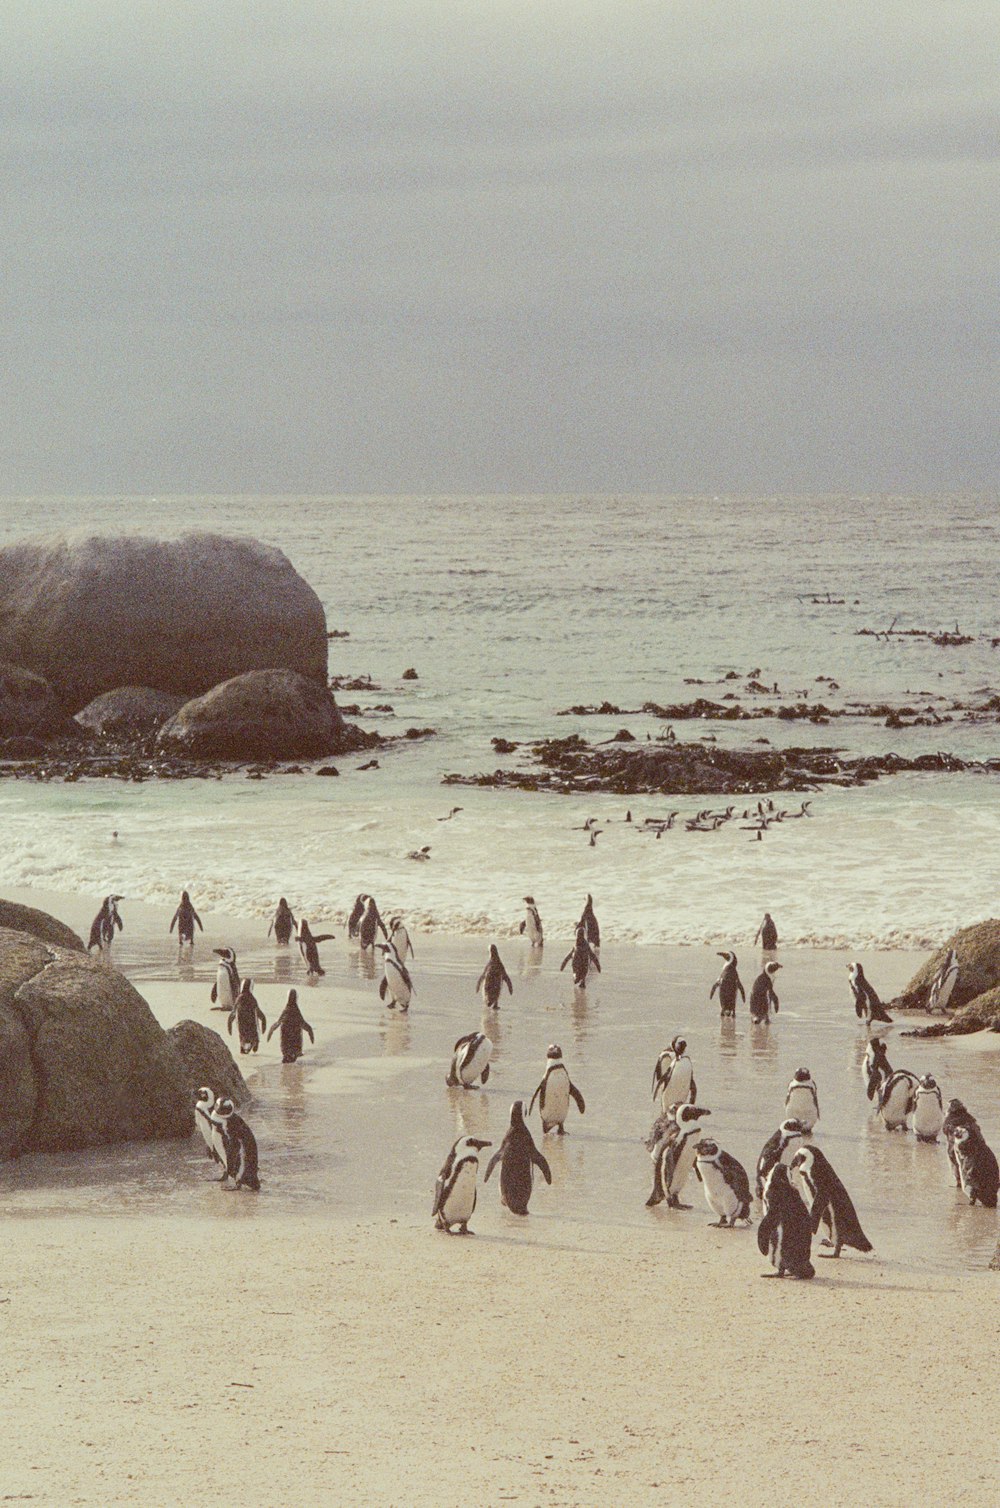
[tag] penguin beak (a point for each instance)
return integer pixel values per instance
(473, 1142)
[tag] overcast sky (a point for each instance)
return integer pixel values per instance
(427, 246)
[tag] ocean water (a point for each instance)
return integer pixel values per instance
(511, 609)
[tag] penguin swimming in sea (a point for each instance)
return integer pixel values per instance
(784, 1235)
(283, 924)
(240, 1144)
(767, 932)
(827, 1201)
(780, 1147)
(928, 1109)
(673, 1076)
(370, 924)
(399, 938)
(248, 1017)
(555, 1092)
(517, 1155)
(868, 1007)
(227, 980)
(876, 1068)
(291, 1023)
(583, 958)
(896, 1099)
(492, 980)
(802, 1099)
(979, 1175)
(455, 1190)
(309, 947)
(588, 921)
(673, 1155)
(396, 981)
(943, 983)
(470, 1061)
(726, 1185)
(102, 928)
(184, 919)
(762, 994)
(957, 1116)
(729, 985)
(211, 1135)
(532, 923)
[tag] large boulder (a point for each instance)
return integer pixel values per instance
(28, 705)
(207, 1061)
(83, 1060)
(94, 612)
(129, 711)
(266, 714)
(978, 951)
(38, 924)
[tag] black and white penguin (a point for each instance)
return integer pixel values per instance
(588, 921)
(827, 1201)
(896, 1099)
(517, 1155)
(211, 1135)
(470, 1061)
(779, 1147)
(763, 999)
(371, 924)
(248, 1017)
(240, 1144)
(784, 1235)
(673, 1076)
(928, 1108)
(396, 982)
(673, 1155)
(944, 982)
(357, 912)
(875, 1068)
(531, 927)
(399, 938)
(184, 919)
(956, 1116)
(555, 1092)
(492, 980)
(726, 1185)
(227, 980)
(867, 1005)
(729, 985)
(802, 1099)
(767, 933)
(309, 948)
(291, 1023)
(582, 957)
(102, 928)
(979, 1175)
(455, 1190)
(283, 923)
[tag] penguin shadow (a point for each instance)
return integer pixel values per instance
(531, 965)
(282, 967)
(363, 963)
(185, 966)
(471, 1109)
(763, 1042)
(288, 1102)
(727, 1036)
(396, 1033)
(492, 1026)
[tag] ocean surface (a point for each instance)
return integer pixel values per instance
(512, 609)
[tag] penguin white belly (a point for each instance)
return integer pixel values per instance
(555, 1099)
(677, 1089)
(398, 988)
(683, 1166)
(800, 1106)
(470, 1073)
(400, 940)
(928, 1117)
(204, 1126)
(223, 988)
(461, 1201)
(718, 1194)
(895, 1108)
(533, 931)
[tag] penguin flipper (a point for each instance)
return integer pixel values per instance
(535, 1096)
(229, 1023)
(742, 991)
(439, 1189)
(307, 1028)
(541, 1164)
(766, 1230)
(485, 1074)
(479, 981)
(595, 960)
(693, 1092)
(506, 979)
(383, 987)
(215, 993)
(578, 1097)
(565, 961)
(324, 937)
(274, 1028)
(493, 1161)
(521, 928)
(713, 989)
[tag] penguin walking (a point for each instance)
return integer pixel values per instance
(227, 980)
(928, 1108)
(784, 1235)
(725, 1182)
(896, 1099)
(827, 1201)
(767, 933)
(102, 928)
(309, 948)
(517, 1156)
(211, 1135)
(780, 1147)
(455, 1190)
(588, 921)
(357, 912)
(531, 926)
(763, 999)
(555, 1092)
(802, 1099)
(248, 1017)
(470, 1061)
(370, 924)
(957, 1116)
(240, 1144)
(399, 938)
(396, 981)
(867, 1005)
(283, 923)
(492, 980)
(978, 1173)
(673, 1076)
(729, 985)
(673, 1154)
(875, 1068)
(184, 919)
(582, 957)
(291, 1024)
(943, 983)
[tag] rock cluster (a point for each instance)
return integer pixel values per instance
(975, 1000)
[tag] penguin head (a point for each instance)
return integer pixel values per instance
(529, 900)
(517, 1113)
(801, 1076)
(224, 1108)
(185, 898)
(688, 1114)
(928, 1081)
(678, 1047)
(494, 951)
(303, 928)
(729, 957)
(772, 967)
(554, 1052)
(707, 1148)
(282, 903)
(961, 1135)
(791, 1128)
(246, 988)
(293, 998)
(801, 1159)
(204, 1096)
(394, 922)
(226, 954)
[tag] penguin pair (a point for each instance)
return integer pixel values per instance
(673, 1144)
(779, 1147)
(228, 1139)
(729, 985)
(673, 1076)
(492, 980)
(291, 1024)
(184, 919)
(105, 924)
(365, 922)
(972, 1161)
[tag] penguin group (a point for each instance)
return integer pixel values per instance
(228, 1140)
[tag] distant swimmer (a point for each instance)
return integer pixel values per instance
(531, 926)
(555, 1092)
(291, 1023)
(867, 1006)
(102, 928)
(184, 919)
(283, 924)
(767, 933)
(784, 1235)
(396, 982)
(420, 854)
(518, 1157)
(763, 998)
(455, 1190)
(827, 1201)
(726, 1185)
(454, 813)
(583, 958)
(470, 1061)
(250, 1019)
(227, 980)
(729, 986)
(309, 948)
(493, 978)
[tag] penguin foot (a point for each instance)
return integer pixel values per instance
(560, 1130)
(464, 1230)
(772, 1274)
(718, 1225)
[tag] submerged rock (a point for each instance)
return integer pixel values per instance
(207, 1060)
(129, 710)
(265, 714)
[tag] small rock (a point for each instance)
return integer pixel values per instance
(326, 769)
(410, 675)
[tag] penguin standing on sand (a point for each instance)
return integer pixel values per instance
(673, 1154)
(470, 1061)
(956, 1116)
(784, 1235)
(517, 1156)
(399, 938)
(876, 1068)
(370, 924)
(673, 1076)
(102, 928)
(726, 1185)
(896, 1099)
(396, 982)
(780, 1147)
(943, 983)
(211, 1135)
(309, 948)
(184, 919)
(802, 1100)
(582, 957)
(291, 1024)
(763, 999)
(979, 1175)
(868, 1007)
(531, 926)
(827, 1201)
(729, 985)
(283, 924)
(455, 1190)
(492, 980)
(227, 980)
(555, 1092)
(248, 1017)
(767, 932)
(928, 1109)
(240, 1144)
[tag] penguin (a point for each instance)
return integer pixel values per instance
(674, 1154)
(868, 1007)
(555, 1092)
(531, 926)
(455, 1190)
(184, 919)
(780, 1147)
(767, 932)
(309, 947)
(227, 980)
(928, 1109)
(399, 937)
(283, 924)
(248, 1017)
(762, 996)
(729, 985)
(726, 1185)
(470, 1061)
(492, 980)
(875, 1068)
(102, 928)
(240, 1144)
(896, 1099)
(357, 912)
(204, 1104)
(802, 1100)
(396, 981)
(979, 1175)
(943, 983)
(784, 1235)
(516, 1155)
(957, 1116)
(673, 1076)
(291, 1023)
(827, 1201)
(583, 958)
(588, 921)
(370, 925)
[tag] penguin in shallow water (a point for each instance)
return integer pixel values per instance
(763, 999)
(673, 1154)
(470, 1061)
(588, 921)
(371, 924)
(102, 928)
(979, 1175)
(517, 1156)
(784, 1235)
(455, 1190)
(291, 1023)
(396, 982)
(896, 1099)
(582, 957)
(240, 1144)
(309, 948)
(726, 1185)
(555, 1092)
(248, 1017)
(729, 985)
(357, 912)
(399, 938)
(779, 1147)
(184, 919)
(673, 1076)
(876, 1068)
(227, 980)
(802, 1100)
(868, 1007)
(928, 1109)
(827, 1201)
(956, 1116)
(767, 933)
(943, 983)
(531, 926)
(283, 924)
(204, 1104)
(492, 980)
